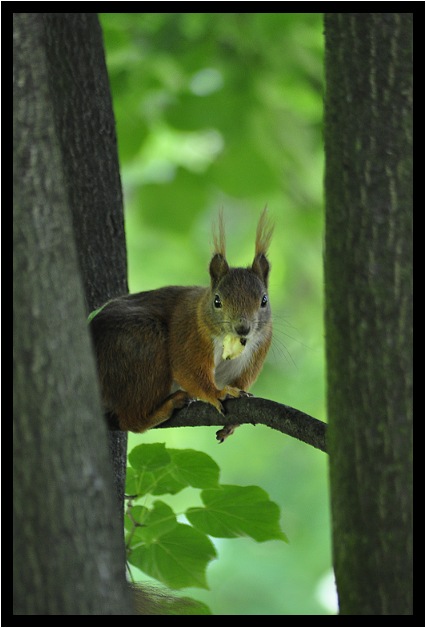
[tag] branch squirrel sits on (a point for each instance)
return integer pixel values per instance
(158, 350)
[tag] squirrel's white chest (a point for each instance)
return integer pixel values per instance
(226, 371)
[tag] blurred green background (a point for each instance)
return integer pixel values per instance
(225, 111)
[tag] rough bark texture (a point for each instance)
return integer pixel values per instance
(368, 274)
(68, 545)
(85, 126)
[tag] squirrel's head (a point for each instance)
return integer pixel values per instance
(239, 296)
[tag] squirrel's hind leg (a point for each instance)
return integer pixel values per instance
(175, 401)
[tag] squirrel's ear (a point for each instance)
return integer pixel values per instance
(261, 267)
(218, 268)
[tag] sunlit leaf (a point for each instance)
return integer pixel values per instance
(154, 522)
(194, 467)
(232, 511)
(149, 457)
(139, 483)
(178, 559)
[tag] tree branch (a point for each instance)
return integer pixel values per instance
(254, 410)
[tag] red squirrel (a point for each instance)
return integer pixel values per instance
(158, 350)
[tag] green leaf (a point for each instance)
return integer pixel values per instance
(155, 523)
(149, 457)
(194, 468)
(179, 558)
(167, 483)
(139, 483)
(182, 468)
(93, 314)
(149, 471)
(232, 511)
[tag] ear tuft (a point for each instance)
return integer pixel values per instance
(264, 231)
(219, 236)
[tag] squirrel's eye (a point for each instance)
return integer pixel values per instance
(264, 301)
(217, 302)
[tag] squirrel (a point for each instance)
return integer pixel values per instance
(158, 350)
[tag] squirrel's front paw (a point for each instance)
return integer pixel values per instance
(229, 392)
(234, 393)
(244, 393)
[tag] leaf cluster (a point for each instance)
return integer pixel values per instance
(174, 552)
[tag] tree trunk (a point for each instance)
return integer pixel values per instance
(85, 125)
(68, 541)
(368, 275)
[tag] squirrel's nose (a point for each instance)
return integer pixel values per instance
(242, 328)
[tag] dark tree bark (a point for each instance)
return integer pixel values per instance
(68, 541)
(85, 126)
(84, 118)
(368, 274)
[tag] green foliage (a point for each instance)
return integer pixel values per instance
(231, 511)
(215, 109)
(177, 554)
